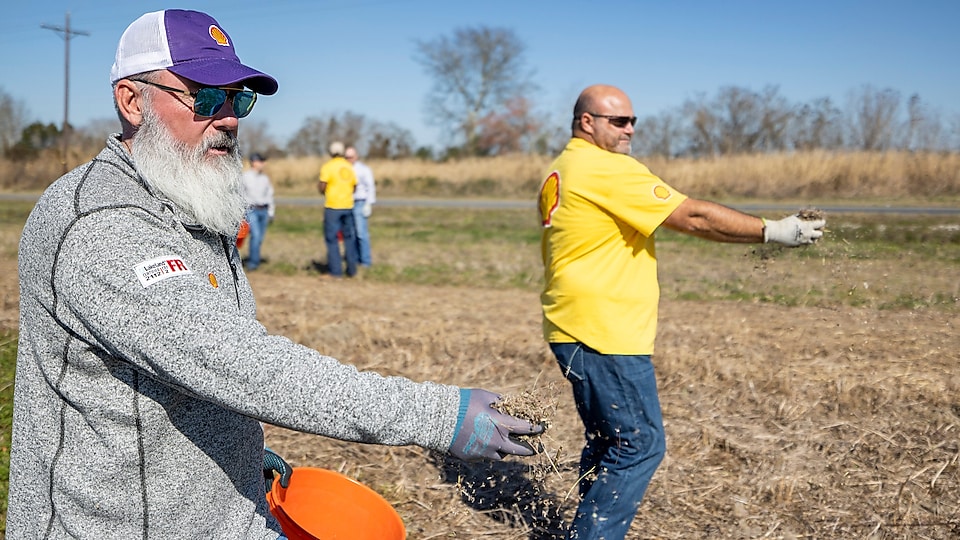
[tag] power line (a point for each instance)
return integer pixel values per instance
(67, 34)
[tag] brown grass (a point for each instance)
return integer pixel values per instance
(782, 422)
(891, 175)
(900, 176)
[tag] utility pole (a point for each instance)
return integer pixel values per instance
(67, 33)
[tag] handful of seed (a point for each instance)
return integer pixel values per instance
(537, 405)
(811, 214)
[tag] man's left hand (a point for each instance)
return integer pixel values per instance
(792, 231)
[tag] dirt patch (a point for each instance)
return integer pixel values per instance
(781, 422)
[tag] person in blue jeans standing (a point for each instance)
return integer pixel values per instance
(599, 209)
(260, 209)
(337, 184)
(363, 198)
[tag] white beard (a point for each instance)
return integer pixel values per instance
(208, 190)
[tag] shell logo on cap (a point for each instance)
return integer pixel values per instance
(217, 34)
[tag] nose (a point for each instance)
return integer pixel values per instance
(226, 119)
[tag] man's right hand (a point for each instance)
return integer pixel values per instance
(792, 231)
(484, 432)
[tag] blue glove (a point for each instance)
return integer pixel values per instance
(272, 462)
(484, 432)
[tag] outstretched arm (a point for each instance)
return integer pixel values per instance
(719, 223)
(715, 222)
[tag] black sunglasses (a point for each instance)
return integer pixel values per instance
(208, 100)
(617, 121)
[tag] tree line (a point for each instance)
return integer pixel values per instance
(482, 99)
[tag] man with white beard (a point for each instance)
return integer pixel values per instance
(142, 373)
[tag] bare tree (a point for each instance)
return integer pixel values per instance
(659, 135)
(476, 72)
(873, 118)
(317, 133)
(776, 114)
(372, 139)
(953, 135)
(386, 141)
(512, 130)
(88, 139)
(817, 125)
(703, 127)
(255, 137)
(924, 129)
(13, 118)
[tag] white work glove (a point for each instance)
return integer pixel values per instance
(367, 209)
(792, 231)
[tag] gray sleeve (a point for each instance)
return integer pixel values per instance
(182, 333)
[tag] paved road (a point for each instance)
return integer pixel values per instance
(520, 204)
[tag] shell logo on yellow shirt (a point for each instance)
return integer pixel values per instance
(344, 173)
(549, 198)
(217, 34)
(661, 192)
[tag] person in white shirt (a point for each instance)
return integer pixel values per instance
(363, 199)
(260, 206)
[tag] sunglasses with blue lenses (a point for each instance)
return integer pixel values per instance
(207, 101)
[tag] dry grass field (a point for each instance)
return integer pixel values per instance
(880, 176)
(807, 394)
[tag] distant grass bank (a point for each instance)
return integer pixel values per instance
(893, 176)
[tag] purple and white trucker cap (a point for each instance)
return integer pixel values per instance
(188, 43)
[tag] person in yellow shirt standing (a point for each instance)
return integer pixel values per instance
(599, 208)
(337, 183)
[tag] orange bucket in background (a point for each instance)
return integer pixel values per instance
(320, 504)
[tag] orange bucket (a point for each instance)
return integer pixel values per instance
(320, 504)
(243, 233)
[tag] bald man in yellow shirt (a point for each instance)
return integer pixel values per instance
(599, 208)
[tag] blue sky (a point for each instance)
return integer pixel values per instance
(331, 56)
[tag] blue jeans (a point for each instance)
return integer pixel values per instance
(616, 397)
(257, 219)
(363, 234)
(340, 221)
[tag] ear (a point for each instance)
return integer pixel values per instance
(586, 123)
(128, 98)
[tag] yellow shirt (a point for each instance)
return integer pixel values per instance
(341, 181)
(599, 211)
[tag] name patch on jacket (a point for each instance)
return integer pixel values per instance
(159, 269)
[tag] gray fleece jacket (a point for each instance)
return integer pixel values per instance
(142, 374)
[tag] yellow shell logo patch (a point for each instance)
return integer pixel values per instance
(661, 192)
(217, 34)
(213, 280)
(549, 198)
